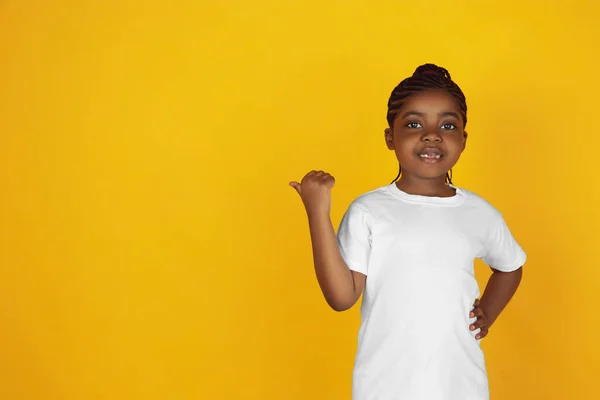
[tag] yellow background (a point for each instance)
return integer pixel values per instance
(150, 246)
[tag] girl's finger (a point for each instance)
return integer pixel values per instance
(480, 323)
(308, 176)
(483, 333)
(296, 186)
(478, 312)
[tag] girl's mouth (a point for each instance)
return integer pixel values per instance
(430, 154)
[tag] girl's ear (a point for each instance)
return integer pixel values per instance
(465, 135)
(389, 138)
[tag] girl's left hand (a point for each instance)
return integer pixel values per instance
(481, 323)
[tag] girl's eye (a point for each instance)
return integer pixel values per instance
(413, 125)
(448, 127)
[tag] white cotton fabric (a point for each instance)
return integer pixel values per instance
(417, 252)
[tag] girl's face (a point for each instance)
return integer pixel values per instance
(428, 135)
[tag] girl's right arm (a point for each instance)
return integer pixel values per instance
(340, 286)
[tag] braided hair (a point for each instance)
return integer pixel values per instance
(426, 76)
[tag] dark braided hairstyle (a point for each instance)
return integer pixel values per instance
(426, 76)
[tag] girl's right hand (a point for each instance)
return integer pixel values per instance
(315, 192)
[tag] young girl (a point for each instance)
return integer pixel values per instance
(411, 245)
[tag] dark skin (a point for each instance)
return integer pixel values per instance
(429, 119)
(428, 138)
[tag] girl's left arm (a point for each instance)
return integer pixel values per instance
(499, 290)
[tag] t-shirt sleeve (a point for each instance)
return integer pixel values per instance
(502, 252)
(354, 238)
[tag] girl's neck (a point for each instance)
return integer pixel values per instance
(425, 187)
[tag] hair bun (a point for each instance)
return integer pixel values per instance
(432, 70)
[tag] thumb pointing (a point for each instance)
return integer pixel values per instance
(296, 186)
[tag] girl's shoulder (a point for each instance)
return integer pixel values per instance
(477, 201)
(370, 203)
(371, 198)
(378, 200)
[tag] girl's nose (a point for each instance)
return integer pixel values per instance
(431, 137)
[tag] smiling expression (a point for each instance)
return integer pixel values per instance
(428, 134)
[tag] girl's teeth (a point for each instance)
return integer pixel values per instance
(430, 155)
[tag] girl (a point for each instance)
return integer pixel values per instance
(410, 246)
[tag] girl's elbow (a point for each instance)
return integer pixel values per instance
(340, 305)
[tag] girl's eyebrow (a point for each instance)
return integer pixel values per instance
(420, 114)
(449, 114)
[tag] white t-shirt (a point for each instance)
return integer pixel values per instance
(414, 341)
